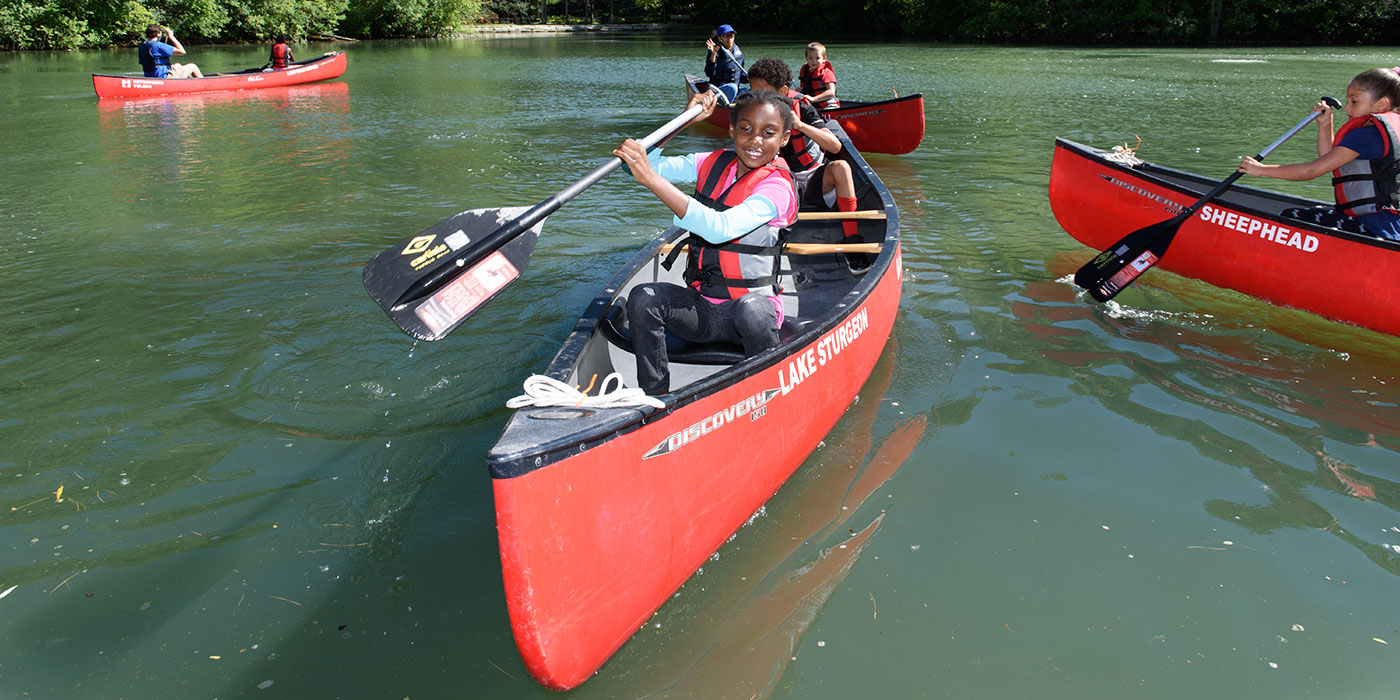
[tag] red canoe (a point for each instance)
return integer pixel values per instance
(603, 513)
(889, 126)
(1239, 240)
(331, 65)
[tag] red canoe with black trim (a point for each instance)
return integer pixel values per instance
(889, 126)
(603, 513)
(331, 65)
(1239, 240)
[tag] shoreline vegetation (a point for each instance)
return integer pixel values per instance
(78, 24)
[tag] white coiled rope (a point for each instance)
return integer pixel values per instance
(547, 391)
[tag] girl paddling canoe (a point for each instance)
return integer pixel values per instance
(1361, 156)
(743, 197)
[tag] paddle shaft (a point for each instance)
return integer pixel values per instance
(733, 60)
(1116, 268)
(1215, 191)
(509, 230)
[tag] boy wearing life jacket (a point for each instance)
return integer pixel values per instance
(155, 54)
(818, 78)
(281, 54)
(743, 198)
(805, 154)
(1361, 156)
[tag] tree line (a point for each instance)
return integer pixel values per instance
(72, 24)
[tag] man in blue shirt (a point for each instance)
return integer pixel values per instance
(155, 54)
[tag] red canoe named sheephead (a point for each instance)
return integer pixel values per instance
(602, 513)
(893, 126)
(331, 65)
(1238, 240)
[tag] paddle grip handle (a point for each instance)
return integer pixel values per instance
(509, 230)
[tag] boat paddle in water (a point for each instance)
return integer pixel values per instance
(434, 281)
(1115, 268)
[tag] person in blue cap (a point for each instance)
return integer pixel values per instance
(724, 65)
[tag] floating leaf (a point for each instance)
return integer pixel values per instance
(58, 495)
(9, 590)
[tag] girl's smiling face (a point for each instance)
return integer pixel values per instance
(758, 134)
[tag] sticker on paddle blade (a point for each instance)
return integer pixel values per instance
(463, 295)
(1126, 275)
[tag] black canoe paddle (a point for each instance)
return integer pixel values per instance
(1116, 268)
(431, 283)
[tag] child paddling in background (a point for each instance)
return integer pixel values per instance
(804, 154)
(281, 54)
(743, 197)
(1361, 156)
(818, 78)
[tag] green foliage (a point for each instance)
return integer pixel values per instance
(402, 18)
(515, 11)
(69, 24)
(261, 19)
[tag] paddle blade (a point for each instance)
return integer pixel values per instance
(1116, 268)
(436, 251)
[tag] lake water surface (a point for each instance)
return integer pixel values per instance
(269, 491)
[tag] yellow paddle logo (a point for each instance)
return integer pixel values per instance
(422, 246)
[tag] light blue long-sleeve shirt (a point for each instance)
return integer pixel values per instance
(713, 226)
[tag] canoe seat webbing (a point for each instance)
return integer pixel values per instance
(613, 326)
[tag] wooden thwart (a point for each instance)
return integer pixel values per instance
(839, 215)
(811, 248)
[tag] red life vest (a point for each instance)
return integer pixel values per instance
(748, 263)
(1369, 186)
(281, 56)
(811, 83)
(801, 153)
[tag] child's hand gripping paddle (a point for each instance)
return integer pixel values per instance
(1116, 268)
(434, 281)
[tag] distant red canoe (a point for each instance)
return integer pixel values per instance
(331, 65)
(890, 126)
(1239, 240)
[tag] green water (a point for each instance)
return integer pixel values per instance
(1190, 494)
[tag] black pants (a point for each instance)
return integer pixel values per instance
(1327, 216)
(653, 309)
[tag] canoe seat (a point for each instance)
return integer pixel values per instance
(614, 327)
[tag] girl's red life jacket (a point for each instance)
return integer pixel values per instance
(1369, 186)
(748, 263)
(281, 56)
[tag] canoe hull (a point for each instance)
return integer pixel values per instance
(889, 126)
(600, 524)
(1238, 241)
(310, 71)
(649, 523)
